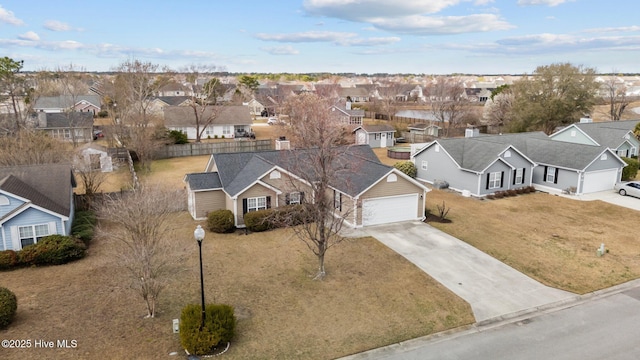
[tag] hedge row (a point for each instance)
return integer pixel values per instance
(290, 215)
(512, 192)
(83, 225)
(50, 250)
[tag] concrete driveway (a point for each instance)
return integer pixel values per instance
(611, 197)
(492, 288)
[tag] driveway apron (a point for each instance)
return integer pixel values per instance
(492, 288)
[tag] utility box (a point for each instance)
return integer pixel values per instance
(176, 326)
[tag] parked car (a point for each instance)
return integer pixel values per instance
(629, 188)
(274, 121)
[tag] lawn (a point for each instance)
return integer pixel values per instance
(371, 297)
(550, 238)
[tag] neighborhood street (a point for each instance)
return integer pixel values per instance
(597, 327)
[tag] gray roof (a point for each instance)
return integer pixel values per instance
(48, 186)
(204, 181)
(376, 128)
(173, 100)
(64, 120)
(228, 115)
(610, 134)
(64, 101)
(357, 168)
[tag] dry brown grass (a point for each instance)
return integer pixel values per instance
(550, 238)
(370, 298)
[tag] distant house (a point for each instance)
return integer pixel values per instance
(347, 115)
(174, 89)
(64, 103)
(35, 201)
(158, 104)
(69, 126)
(425, 129)
(255, 107)
(376, 136)
(229, 122)
(353, 94)
(615, 135)
(368, 192)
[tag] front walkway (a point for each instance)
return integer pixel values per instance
(610, 197)
(492, 288)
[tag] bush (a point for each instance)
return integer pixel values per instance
(406, 167)
(220, 221)
(219, 327)
(178, 137)
(490, 197)
(512, 192)
(83, 225)
(8, 307)
(630, 171)
(8, 259)
(290, 215)
(52, 250)
(103, 113)
(260, 220)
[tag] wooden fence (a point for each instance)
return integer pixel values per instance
(195, 149)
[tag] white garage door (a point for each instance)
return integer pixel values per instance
(389, 209)
(599, 181)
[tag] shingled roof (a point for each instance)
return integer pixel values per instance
(48, 186)
(228, 115)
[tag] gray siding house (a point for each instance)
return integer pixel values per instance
(616, 135)
(485, 164)
(376, 136)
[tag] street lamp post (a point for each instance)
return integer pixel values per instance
(199, 235)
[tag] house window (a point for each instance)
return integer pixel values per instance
(376, 136)
(275, 174)
(551, 174)
(208, 131)
(519, 176)
(634, 151)
(621, 153)
(425, 164)
(604, 156)
(392, 178)
(507, 154)
(337, 200)
(226, 130)
(495, 180)
(294, 198)
(31, 234)
(257, 203)
(4, 200)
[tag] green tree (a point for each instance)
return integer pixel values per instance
(11, 88)
(554, 95)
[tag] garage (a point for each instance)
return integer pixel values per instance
(389, 209)
(595, 181)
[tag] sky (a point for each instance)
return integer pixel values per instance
(335, 36)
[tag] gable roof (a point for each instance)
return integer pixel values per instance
(64, 120)
(471, 153)
(376, 128)
(610, 133)
(173, 100)
(203, 181)
(64, 101)
(229, 115)
(51, 192)
(237, 171)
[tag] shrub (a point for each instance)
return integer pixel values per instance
(443, 211)
(630, 171)
(512, 192)
(178, 137)
(8, 259)
(219, 327)
(490, 197)
(407, 167)
(83, 225)
(103, 113)
(52, 250)
(8, 307)
(260, 220)
(498, 195)
(220, 221)
(532, 188)
(290, 215)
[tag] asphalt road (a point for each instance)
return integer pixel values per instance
(605, 327)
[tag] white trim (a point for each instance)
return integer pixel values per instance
(30, 205)
(575, 127)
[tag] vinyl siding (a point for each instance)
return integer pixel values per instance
(506, 175)
(13, 204)
(579, 137)
(256, 190)
(441, 167)
(287, 185)
(383, 189)
(207, 201)
(28, 217)
(566, 178)
(610, 163)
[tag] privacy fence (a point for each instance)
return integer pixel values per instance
(195, 149)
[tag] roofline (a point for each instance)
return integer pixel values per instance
(575, 127)
(624, 163)
(398, 172)
(30, 205)
(259, 182)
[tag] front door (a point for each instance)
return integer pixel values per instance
(383, 140)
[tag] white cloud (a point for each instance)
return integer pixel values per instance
(29, 35)
(55, 25)
(542, 2)
(309, 36)
(359, 10)
(563, 43)
(431, 25)
(8, 17)
(376, 41)
(280, 50)
(614, 29)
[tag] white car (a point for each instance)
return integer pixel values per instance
(629, 188)
(274, 121)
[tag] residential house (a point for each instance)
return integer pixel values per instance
(347, 115)
(157, 105)
(353, 94)
(65, 103)
(367, 192)
(228, 121)
(69, 126)
(376, 136)
(485, 164)
(424, 129)
(174, 89)
(35, 201)
(255, 107)
(616, 135)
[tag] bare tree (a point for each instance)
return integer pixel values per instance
(72, 85)
(29, 147)
(139, 221)
(320, 163)
(497, 109)
(616, 97)
(386, 103)
(90, 174)
(449, 106)
(204, 101)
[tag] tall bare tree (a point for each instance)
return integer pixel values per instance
(616, 97)
(386, 103)
(140, 223)
(29, 147)
(204, 100)
(497, 109)
(320, 166)
(449, 105)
